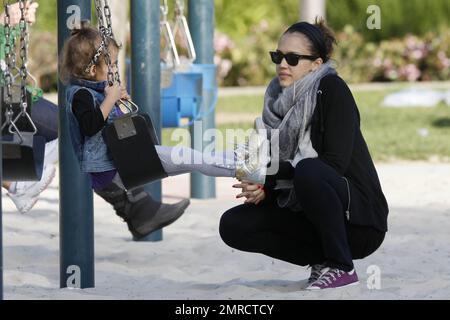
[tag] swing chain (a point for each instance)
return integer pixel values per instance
(23, 55)
(168, 35)
(9, 63)
(23, 26)
(107, 11)
(104, 13)
(105, 39)
(164, 11)
(109, 28)
(179, 8)
(9, 51)
(8, 58)
(182, 25)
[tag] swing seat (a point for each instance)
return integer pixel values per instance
(182, 98)
(131, 139)
(23, 160)
(16, 93)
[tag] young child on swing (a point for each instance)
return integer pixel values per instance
(92, 104)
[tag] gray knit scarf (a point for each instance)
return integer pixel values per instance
(290, 111)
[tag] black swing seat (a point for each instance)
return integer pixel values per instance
(23, 160)
(131, 140)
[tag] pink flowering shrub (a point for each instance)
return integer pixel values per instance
(407, 59)
(410, 58)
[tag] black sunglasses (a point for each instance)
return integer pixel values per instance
(291, 58)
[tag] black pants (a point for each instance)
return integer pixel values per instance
(318, 234)
(45, 116)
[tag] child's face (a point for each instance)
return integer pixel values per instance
(100, 73)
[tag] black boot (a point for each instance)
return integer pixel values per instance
(140, 211)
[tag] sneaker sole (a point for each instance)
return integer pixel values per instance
(165, 224)
(47, 182)
(341, 287)
(26, 209)
(35, 195)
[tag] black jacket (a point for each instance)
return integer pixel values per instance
(337, 138)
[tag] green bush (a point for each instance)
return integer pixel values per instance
(398, 17)
(246, 32)
(237, 18)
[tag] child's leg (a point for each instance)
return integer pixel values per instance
(181, 160)
(139, 210)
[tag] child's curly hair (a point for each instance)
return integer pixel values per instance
(79, 51)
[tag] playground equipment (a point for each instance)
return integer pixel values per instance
(182, 95)
(76, 199)
(190, 88)
(201, 24)
(131, 138)
(76, 221)
(23, 149)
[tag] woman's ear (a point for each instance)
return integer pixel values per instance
(317, 64)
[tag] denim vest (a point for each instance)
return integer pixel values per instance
(92, 152)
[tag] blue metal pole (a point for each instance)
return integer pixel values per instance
(146, 73)
(201, 24)
(76, 207)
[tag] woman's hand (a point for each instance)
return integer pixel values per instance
(15, 14)
(253, 192)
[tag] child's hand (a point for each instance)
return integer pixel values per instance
(124, 94)
(113, 93)
(15, 14)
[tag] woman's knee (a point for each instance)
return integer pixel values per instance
(364, 241)
(307, 175)
(226, 226)
(231, 227)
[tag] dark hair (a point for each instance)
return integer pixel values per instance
(79, 50)
(320, 36)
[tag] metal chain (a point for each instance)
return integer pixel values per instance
(23, 54)
(182, 25)
(109, 28)
(105, 39)
(179, 7)
(7, 74)
(104, 13)
(107, 13)
(100, 19)
(23, 71)
(166, 32)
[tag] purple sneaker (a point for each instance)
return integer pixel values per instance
(335, 278)
(316, 272)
